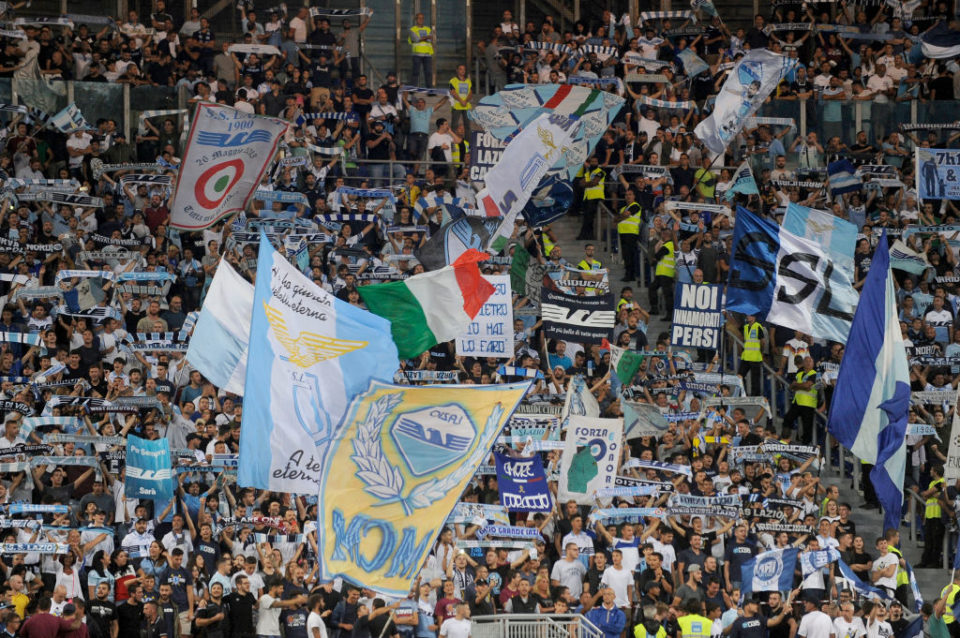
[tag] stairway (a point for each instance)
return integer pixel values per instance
(869, 522)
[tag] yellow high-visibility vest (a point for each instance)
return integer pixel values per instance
(424, 47)
(594, 192)
(694, 626)
(950, 594)
(667, 266)
(933, 509)
(751, 342)
(462, 89)
(807, 398)
(630, 225)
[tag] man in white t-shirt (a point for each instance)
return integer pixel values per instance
(620, 580)
(815, 623)
(78, 145)
(569, 571)
(270, 606)
(316, 628)
(442, 139)
(884, 571)
(846, 625)
(459, 626)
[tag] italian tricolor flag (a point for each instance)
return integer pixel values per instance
(624, 362)
(433, 307)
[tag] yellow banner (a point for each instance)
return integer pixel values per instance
(404, 457)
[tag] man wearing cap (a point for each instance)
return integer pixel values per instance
(692, 590)
(481, 602)
(815, 623)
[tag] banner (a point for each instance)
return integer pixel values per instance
(951, 467)
(749, 83)
(590, 458)
(576, 318)
(490, 334)
(770, 571)
(485, 153)
(148, 469)
(226, 156)
(697, 317)
(400, 461)
(509, 184)
(314, 353)
(642, 419)
(837, 236)
(788, 280)
(938, 173)
(522, 483)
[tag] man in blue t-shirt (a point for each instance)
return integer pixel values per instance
(181, 589)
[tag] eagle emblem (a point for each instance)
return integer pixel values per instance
(308, 348)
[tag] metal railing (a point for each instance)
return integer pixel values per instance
(534, 626)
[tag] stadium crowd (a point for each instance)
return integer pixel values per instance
(221, 561)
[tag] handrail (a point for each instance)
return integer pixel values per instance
(560, 621)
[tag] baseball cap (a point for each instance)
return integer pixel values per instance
(693, 568)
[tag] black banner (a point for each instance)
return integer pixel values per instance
(575, 318)
(485, 152)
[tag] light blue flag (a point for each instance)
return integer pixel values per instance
(309, 355)
(837, 236)
(812, 561)
(902, 257)
(769, 571)
(849, 578)
(788, 280)
(693, 64)
(875, 379)
(743, 182)
(149, 473)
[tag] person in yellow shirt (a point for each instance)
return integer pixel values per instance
(421, 39)
(461, 93)
(18, 597)
(933, 527)
(706, 180)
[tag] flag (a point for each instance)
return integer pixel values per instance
(550, 201)
(625, 363)
(812, 561)
(226, 156)
(940, 42)
(843, 177)
(848, 579)
(642, 419)
(431, 307)
(455, 238)
(149, 473)
(875, 378)
(579, 400)
(590, 459)
(525, 161)
(85, 295)
(516, 106)
(313, 353)
(788, 280)
(837, 236)
(693, 64)
(218, 346)
(743, 182)
(522, 483)
(518, 269)
(913, 629)
(770, 571)
(750, 82)
(704, 5)
(902, 257)
(394, 472)
(68, 120)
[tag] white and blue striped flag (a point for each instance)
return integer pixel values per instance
(836, 235)
(843, 177)
(875, 378)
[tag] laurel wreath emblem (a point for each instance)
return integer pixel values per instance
(384, 481)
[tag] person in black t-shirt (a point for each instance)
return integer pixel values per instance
(103, 613)
(210, 615)
(238, 607)
(130, 612)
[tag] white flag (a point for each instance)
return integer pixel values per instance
(228, 152)
(748, 85)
